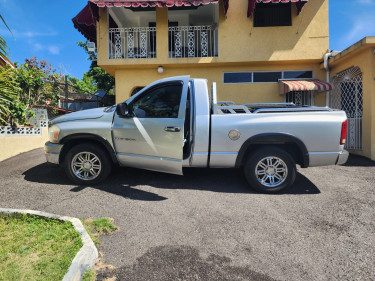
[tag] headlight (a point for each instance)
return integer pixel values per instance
(53, 133)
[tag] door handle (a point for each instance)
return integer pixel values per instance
(172, 129)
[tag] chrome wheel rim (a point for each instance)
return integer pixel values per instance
(271, 171)
(86, 166)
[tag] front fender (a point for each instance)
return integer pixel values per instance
(82, 137)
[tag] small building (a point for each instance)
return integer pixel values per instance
(5, 61)
(353, 78)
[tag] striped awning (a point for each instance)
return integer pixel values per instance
(86, 20)
(151, 3)
(251, 5)
(287, 86)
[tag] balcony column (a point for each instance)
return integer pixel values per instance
(162, 33)
(102, 36)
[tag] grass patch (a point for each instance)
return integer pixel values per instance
(89, 276)
(36, 248)
(98, 227)
(95, 228)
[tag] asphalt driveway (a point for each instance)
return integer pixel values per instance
(208, 225)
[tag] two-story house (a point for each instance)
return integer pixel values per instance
(257, 51)
(244, 46)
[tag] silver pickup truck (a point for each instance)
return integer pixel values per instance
(173, 123)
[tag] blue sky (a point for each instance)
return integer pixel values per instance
(43, 28)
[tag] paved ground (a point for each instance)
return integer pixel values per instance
(209, 226)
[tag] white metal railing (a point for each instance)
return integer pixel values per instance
(132, 42)
(193, 41)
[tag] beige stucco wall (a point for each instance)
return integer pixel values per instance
(16, 144)
(127, 79)
(362, 55)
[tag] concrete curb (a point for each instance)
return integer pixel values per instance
(85, 258)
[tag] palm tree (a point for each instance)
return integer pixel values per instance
(3, 44)
(6, 89)
(6, 94)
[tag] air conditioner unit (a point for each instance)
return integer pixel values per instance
(91, 47)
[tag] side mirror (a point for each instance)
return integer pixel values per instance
(122, 110)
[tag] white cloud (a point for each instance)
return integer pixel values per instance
(52, 49)
(366, 1)
(32, 34)
(359, 28)
(17, 34)
(38, 47)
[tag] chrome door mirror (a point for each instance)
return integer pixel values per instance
(122, 110)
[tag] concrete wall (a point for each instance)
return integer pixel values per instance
(12, 145)
(362, 55)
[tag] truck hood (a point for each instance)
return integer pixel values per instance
(84, 114)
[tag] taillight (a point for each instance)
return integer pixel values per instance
(344, 129)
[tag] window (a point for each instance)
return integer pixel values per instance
(267, 76)
(269, 14)
(298, 74)
(264, 76)
(238, 77)
(160, 102)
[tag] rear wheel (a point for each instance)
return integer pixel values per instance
(270, 169)
(87, 164)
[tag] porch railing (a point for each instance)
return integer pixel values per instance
(132, 42)
(193, 41)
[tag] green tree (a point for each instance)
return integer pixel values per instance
(32, 83)
(85, 85)
(100, 78)
(38, 83)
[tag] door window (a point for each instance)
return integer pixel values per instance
(160, 102)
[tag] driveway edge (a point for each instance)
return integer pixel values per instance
(84, 259)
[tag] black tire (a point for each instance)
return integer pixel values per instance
(279, 173)
(95, 175)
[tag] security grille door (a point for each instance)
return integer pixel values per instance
(347, 95)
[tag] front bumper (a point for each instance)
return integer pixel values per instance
(342, 158)
(52, 151)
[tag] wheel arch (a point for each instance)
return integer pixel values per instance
(293, 145)
(75, 139)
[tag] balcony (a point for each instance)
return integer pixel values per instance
(184, 42)
(192, 32)
(193, 41)
(132, 42)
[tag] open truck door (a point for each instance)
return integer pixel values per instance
(151, 136)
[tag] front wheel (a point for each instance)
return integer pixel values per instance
(87, 164)
(270, 169)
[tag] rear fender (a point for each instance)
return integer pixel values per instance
(279, 139)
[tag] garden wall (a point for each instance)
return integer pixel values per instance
(16, 140)
(12, 145)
